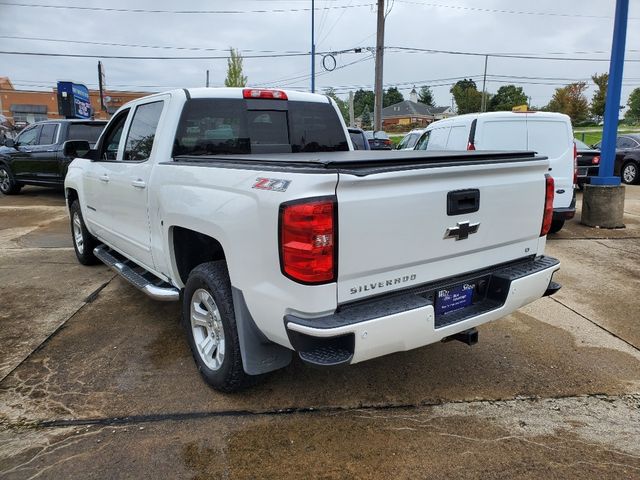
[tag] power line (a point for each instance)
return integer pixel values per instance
(181, 12)
(511, 12)
(501, 55)
(133, 45)
(147, 57)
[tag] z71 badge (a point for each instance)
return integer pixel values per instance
(273, 184)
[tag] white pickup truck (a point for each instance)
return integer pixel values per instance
(250, 208)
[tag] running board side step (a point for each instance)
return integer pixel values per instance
(137, 275)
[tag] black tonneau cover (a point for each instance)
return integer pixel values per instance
(359, 162)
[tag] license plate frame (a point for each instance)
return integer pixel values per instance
(454, 298)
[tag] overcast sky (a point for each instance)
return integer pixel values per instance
(550, 28)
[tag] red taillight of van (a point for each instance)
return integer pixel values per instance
(547, 217)
(308, 240)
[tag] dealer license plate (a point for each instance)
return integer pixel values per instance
(454, 298)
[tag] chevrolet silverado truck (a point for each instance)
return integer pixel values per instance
(40, 155)
(250, 207)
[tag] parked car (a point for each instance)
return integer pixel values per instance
(409, 141)
(40, 155)
(546, 133)
(358, 139)
(627, 164)
(278, 239)
(378, 140)
(588, 162)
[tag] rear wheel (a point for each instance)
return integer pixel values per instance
(556, 226)
(209, 321)
(8, 185)
(630, 173)
(83, 241)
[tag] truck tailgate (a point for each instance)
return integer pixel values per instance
(395, 230)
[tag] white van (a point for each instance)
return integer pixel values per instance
(549, 134)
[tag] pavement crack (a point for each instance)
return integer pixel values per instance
(596, 324)
(599, 242)
(182, 416)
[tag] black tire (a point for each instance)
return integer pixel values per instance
(8, 184)
(630, 172)
(213, 278)
(85, 243)
(556, 226)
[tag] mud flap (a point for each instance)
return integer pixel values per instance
(259, 355)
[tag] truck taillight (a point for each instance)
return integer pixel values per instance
(548, 205)
(262, 93)
(308, 240)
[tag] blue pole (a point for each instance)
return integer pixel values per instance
(313, 48)
(612, 107)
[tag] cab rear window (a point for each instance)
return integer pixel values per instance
(234, 126)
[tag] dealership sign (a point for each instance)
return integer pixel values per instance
(73, 100)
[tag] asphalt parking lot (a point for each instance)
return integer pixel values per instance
(96, 380)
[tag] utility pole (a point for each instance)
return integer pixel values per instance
(352, 116)
(377, 111)
(313, 47)
(207, 84)
(483, 104)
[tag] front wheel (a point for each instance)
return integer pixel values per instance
(630, 174)
(83, 241)
(208, 318)
(8, 185)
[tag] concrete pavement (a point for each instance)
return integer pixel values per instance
(104, 385)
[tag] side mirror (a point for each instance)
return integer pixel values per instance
(75, 148)
(9, 143)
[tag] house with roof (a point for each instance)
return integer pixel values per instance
(411, 113)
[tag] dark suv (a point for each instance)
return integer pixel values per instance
(38, 155)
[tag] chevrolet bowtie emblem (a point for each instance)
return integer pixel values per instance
(462, 230)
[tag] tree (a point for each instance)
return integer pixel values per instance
(366, 117)
(426, 96)
(507, 97)
(468, 98)
(391, 97)
(570, 100)
(234, 70)
(633, 114)
(343, 105)
(599, 98)
(362, 100)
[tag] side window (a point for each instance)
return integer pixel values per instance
(424, 141)
(142, 132)
(29, 137)
(48, 134)
(111, 141)
(624, 142)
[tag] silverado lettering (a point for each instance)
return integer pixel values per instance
(387, 283)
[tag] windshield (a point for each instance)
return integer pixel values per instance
(211, 126)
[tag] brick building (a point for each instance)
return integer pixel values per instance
(22, 107)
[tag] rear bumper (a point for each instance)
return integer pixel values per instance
(407, 320)
(566, 213)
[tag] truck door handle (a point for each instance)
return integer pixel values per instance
(139, 183)
(104, 178)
